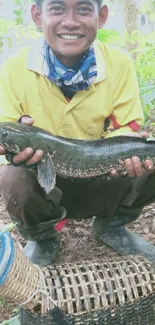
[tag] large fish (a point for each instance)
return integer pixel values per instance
(73, 158)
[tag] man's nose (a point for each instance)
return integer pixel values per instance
(70, 20)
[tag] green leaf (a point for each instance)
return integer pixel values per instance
(8, 227)
(19, 20)
(17, 2)
(13, 321)
(2, 302)
(108, 36)
(17, 12)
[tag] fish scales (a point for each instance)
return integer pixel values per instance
(74, 158)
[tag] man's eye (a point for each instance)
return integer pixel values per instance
(57, 9)
(85, 9)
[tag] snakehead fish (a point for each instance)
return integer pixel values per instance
(73, 158)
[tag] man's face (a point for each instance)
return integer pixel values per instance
(70, 26)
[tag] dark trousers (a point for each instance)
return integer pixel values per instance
(36, 212)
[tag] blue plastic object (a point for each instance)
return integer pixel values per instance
(7, 253)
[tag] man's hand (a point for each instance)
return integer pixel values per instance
(133, 166)
(26, 155)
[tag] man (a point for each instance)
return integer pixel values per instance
(71, 85)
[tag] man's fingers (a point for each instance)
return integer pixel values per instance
(114, 173)
(134, 167)
(23, 155)
(142, 134)
(148, 164)
(35, 158)
(129, 167)
(137, 166)
(28, 157)
(27, 120)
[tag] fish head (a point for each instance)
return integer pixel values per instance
(12, 137)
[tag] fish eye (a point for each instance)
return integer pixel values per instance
(4, 134)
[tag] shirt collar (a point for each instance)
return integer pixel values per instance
(35, 59)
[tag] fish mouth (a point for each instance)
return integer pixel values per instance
(10, 148)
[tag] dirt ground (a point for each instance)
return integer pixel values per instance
(77, 243)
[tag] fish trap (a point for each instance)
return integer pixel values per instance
(19, 278)
(117, 291)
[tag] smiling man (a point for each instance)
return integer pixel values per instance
(70, 27)
(76, 87)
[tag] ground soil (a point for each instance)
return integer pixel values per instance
(77, 243)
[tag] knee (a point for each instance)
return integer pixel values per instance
(12, 179)
(9, 175)
(16, 186)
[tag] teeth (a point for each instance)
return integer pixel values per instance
(72, 37)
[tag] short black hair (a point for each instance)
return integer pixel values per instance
(39, 2)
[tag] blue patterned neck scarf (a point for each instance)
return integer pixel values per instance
(70, 81)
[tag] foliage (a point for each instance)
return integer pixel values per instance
(4, 29)
(149, 8)
(7, 227)
(145, 68)
(13, 321)
(11, 34)
(19, 12)
(144, 62)
(109, 36)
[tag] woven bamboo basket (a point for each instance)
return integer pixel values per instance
(22, 282)
(88, 286)
(87, 292)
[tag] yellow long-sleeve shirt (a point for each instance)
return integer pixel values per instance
(114, 95)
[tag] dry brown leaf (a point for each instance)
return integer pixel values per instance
(146, 230)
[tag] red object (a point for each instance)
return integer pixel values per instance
(60, 225)
(114, 122)
(134, 126)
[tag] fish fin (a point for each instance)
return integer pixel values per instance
(46, 173)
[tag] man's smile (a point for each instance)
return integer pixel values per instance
(70, 36)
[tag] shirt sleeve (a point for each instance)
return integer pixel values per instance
(127, 114)
(10, 107)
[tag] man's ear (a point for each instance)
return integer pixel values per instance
(103, 15)
(36, 15)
